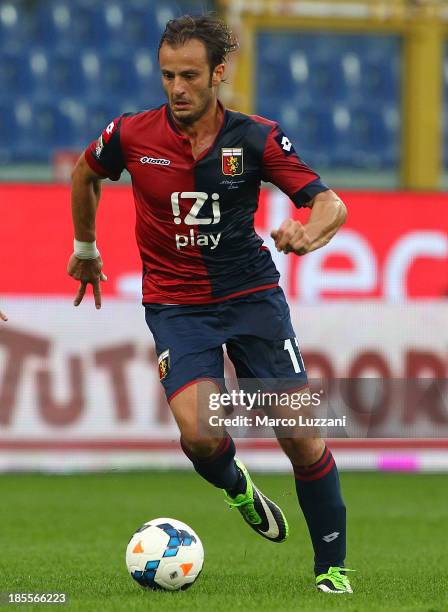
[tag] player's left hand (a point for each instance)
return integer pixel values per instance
(3, 317)
(292, 236)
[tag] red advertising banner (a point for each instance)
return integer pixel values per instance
(394, 246)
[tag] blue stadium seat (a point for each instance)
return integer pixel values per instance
(39, 67)
(48, 130)
(91, 66)
(374, 137)
(299, 67)
(98, 115)
(351, 67)
(73, 114)
(118, 75)
(134, 31)
(8, 130)
(66, 74)
(34, 130)
(16, 25)
(325, 102)
(110, 21)
(15, 74)
(77, 64)
(148, 85)
(380, 78)
(325, 81)
(271, 82)
(65, 24)
(306, 128)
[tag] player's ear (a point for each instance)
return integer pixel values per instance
(218, 74)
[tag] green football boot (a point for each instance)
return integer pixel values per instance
(334, 581)
(265, 517)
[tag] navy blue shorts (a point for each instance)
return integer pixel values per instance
(255, 328)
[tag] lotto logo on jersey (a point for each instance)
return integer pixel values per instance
(232, 162)
(285, 144)
(108, 131)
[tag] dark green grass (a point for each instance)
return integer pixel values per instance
(69, 533)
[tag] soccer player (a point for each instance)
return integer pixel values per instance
(208, 281)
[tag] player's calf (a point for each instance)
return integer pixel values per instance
(222, 470)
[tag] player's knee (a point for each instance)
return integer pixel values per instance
(195, 445)
(303, 451)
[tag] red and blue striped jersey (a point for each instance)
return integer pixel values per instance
(195, 217)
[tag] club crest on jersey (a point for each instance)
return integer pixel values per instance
(164, 364)
(232, 162)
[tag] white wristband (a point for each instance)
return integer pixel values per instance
(85, 250)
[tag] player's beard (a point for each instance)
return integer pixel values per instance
(192, 116)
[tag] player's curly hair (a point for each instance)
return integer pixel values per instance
(217, 37)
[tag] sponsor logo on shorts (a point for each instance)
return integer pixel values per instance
(164, 364)
(158, 161)
(232, 161)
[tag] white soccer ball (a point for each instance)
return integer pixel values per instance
(165, 554)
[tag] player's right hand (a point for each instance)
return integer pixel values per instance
(3, 317)
(88, 272)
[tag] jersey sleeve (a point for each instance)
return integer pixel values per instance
(105, 155)
(283, 168)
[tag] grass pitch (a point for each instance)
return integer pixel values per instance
(69, 533)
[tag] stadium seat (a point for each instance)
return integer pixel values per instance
(325, 81)
(90, 63)
(117, 75)
(40, 72)
(373, 137)
(380, 79)
(98, 115)
(65, 24)
(325, 103)
(66, 74)
(42, 129)
(14, 74)
(16, 26)
(8, 130)
(25, 129)
(148, 86)
(48, 129)
(315, 127)
(79, 63)
(134, 31)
